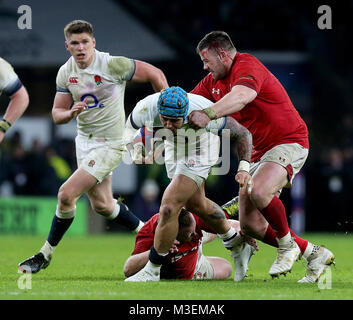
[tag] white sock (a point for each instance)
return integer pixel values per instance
(230, 233)
(115, 212)
(284, 241)
(47, 250)
(308, 250)
(141, 224)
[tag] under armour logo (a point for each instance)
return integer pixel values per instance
(215, 91)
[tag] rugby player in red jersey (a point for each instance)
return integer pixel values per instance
(242, 87)
(186, 260)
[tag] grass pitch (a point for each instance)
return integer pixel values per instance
(91, 268)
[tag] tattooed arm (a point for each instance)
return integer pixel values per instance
(243, 139)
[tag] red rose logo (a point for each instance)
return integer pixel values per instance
(98, 79)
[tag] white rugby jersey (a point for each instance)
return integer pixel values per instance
(103, 84)
(9, 81)
(202, 145)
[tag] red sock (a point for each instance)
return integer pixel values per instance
(270, 237)
(302, 244)
(275, 214)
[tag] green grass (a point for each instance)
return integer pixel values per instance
(91, 268)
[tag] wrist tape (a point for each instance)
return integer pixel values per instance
(244, 166)
(211, 113)
(4, 125)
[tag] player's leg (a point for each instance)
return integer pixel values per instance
(78, 183)
(269, 178)
(222, 269)
(228, 230)
(174, 198)
(208, 210)
(103, 203)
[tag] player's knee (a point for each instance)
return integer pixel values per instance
(127, 270)
(167, 212)
(65, 197)
(259, 196)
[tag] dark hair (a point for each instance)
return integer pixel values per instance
(215, 39)
(185, 218)
(78, 26)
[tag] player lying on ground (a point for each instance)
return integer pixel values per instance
(189, 157)
(90, 88)
(186, 260)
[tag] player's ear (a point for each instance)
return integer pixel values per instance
(222, 54)
(94, 42)
(66, 46)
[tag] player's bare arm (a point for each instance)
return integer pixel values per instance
(62, 113)
(243, 139)
(146, 72)
(232, 102)
(18, 104)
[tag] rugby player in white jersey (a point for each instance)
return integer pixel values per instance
(90, 88)
(189, 171)
(11, 85)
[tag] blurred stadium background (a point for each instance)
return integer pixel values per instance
(313, 65)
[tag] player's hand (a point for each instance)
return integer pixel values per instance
(78, 107)
(174, 246)
(244, 180)
(198, 119)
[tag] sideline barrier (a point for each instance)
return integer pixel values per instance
(33, 215)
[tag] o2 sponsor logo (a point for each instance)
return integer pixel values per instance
(95, 100)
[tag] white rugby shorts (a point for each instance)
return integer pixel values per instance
(204, 269)
(291, 156)
(98, 156)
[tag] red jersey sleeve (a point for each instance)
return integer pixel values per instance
(248, 74)
(144, 238)
(202, 225)
(202, 89)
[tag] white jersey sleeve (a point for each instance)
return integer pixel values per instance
(61, 81)
(198, 102)
(9, 81)
(145, 114)
(121, 68)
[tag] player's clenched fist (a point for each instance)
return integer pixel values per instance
(198, 119)
(78, 107)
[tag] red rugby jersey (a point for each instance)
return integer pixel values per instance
(270, 117)
(181, 263)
